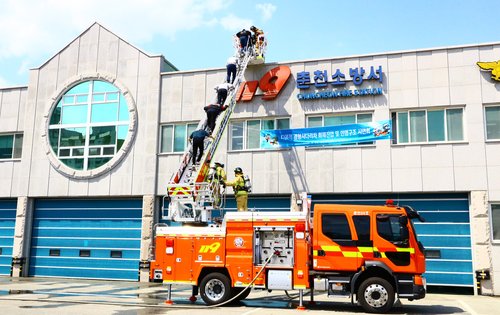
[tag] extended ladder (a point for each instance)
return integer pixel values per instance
(191, 195)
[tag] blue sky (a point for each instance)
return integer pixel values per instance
(197, 34)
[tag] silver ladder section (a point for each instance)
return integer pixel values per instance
(191, 195)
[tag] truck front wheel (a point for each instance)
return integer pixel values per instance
(376, 295)
(215, 288)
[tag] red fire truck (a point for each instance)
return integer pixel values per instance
(369, 253)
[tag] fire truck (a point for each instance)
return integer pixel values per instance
(368, 253)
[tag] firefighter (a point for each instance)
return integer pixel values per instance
(257, 39)
(245, 37)
(222, 90)
(218, 178)
(212, 110)
(232, 64)
(197, 139)
(240, 193)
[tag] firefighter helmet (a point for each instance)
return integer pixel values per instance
(238, 170)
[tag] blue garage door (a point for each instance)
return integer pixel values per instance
(7, 223)
(445, 234)
(93, 239)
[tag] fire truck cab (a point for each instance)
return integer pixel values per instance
(369, 253)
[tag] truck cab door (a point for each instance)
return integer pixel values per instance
(392, 241)
(334, 247)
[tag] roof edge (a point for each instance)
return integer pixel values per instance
(119, 37)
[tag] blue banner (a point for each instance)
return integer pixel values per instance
(321, 136)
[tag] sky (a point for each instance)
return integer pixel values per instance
(198, 34)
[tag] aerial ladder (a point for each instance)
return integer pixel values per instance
(191, 196)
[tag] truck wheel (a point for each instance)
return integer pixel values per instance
(243, 295)
(376, 295)
(215, 288)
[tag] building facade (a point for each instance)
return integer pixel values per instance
(87, 147)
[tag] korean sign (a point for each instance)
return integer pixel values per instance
(323, 136)
(321, 80)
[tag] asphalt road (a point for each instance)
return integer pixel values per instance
(69, 296)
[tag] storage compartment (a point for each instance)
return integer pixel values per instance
(274, 240)
(279, 280)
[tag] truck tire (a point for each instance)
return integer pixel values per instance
(243, 295)
(215, 288)
(376, 295)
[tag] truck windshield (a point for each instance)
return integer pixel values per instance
(393, 228)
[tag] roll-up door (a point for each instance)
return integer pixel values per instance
(94, 239)
(7, 224)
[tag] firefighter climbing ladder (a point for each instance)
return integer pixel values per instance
(191, 195)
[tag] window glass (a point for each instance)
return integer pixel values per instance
(123, 113)
(77, 152)
(495, 218)
(81, 88)
(68, 99)
(364, 118)
(72, 128)
(55, 119)
(108, 151)
(103, 135)
(418, 132)
(6, 146)
(76, 114)
(96, 162)
(492, 114)
(82, 99)
(191, 128)
(339, 120)
(390, 228)
(403, 127)
(112, 97)
(72, 137)
(179, 138)
(237, 136)
(268, 124)
(283, 123)
(122, 135)
(98, 98)
(454, 124)
(315, 121)
(54, 139)
(166, 138)
(362, 225)
(102, 86)
(435, 121)
(94, 151)
(253, 134)
(335, 226)
(106, 112)
(246, 134)
(76, 164)
(18, 145)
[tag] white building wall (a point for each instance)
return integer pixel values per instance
(97, 52)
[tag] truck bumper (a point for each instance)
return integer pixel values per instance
(418, 292)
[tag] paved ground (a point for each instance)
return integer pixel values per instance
(68, 296)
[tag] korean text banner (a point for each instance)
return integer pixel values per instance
(321, 136)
